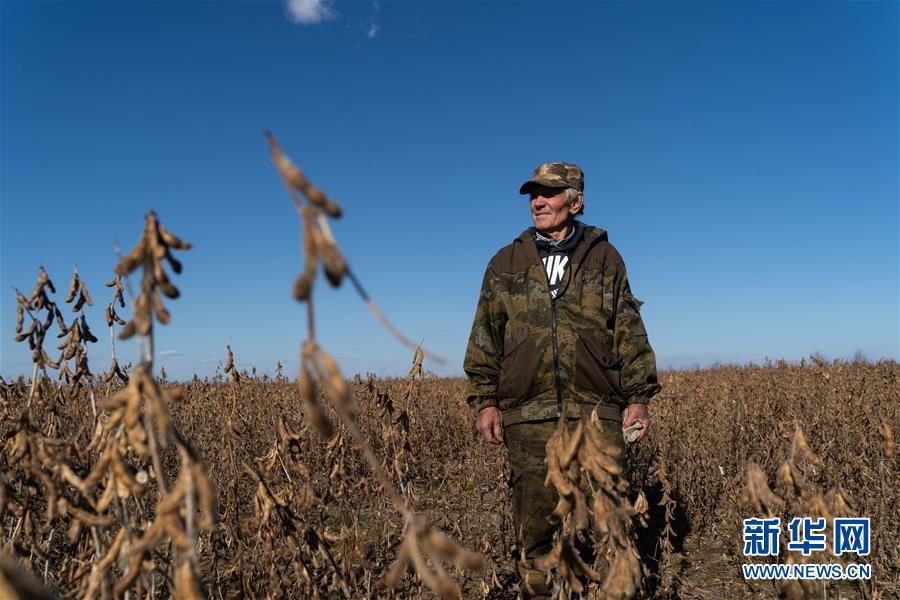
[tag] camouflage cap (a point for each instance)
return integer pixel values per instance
(555, 175)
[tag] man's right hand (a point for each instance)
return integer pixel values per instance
(490, 425)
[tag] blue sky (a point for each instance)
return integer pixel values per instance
(743, 157)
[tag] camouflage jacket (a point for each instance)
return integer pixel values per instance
(526, 352)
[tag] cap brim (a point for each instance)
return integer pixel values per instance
(547, 184)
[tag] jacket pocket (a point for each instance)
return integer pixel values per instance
(597, 367)
(517, 368)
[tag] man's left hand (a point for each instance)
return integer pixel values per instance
(635, 413)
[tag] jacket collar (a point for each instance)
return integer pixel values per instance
(592, 235)
(540, 237)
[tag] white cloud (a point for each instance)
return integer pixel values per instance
(372, 26)
(168, 353)
(309, 12)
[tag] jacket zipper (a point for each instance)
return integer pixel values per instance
(555, 357)
(556, 379)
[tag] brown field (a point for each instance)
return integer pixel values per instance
(330, 530)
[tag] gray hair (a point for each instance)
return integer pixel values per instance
(571, 195)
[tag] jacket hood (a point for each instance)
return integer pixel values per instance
(592, 235)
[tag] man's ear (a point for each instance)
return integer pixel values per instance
(576, 205)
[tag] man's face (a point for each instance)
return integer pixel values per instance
(548, 208)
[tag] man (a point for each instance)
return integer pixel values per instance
(556, 320)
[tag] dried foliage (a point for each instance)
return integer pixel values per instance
(328, 487)
(776, 439)
(800, 498)
(155, 245)
(332, 503)
(593, 508)
(423, 547)
(112, 318)
(96, 483)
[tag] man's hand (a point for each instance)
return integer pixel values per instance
(490, 425)
(635, 413)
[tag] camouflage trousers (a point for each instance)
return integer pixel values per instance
(533, 501)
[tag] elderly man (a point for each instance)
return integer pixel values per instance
(556, 320)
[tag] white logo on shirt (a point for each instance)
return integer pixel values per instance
(555, 264)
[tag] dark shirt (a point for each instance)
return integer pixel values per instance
(555, 255)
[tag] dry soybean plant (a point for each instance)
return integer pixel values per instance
(800, 497)
(36, 332)
(77, 335)
(99, 493)
(140, 422)
(423, 547)
(664, 548)
(584, 469)
(112, 318)
(394, 423)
